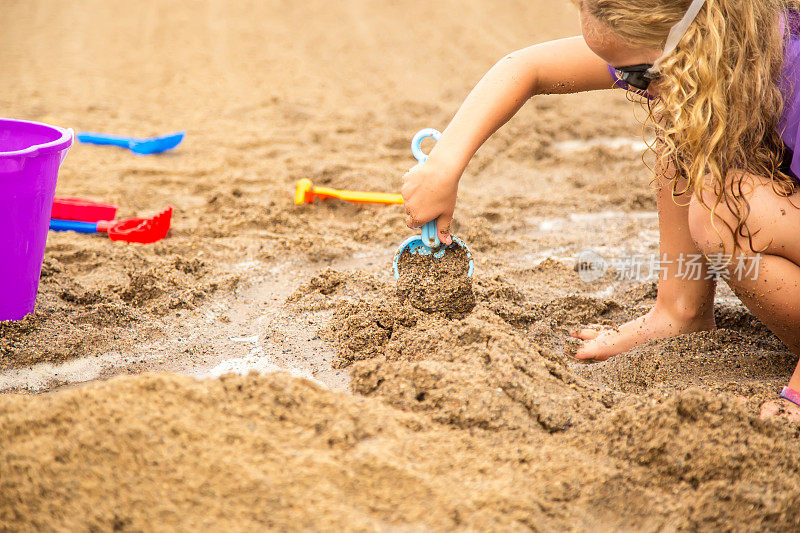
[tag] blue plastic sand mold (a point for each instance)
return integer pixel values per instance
(428, 241)
(151, 145)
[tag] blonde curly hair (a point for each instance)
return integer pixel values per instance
(719, 101)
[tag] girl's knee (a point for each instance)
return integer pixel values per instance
(718, 233)
(709, 237)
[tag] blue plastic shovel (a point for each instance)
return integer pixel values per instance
(152, 145)
(428, 242)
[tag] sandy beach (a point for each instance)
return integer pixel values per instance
(259, 368)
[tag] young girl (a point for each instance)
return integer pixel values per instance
(723, 84)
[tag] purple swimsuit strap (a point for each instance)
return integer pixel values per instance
(788, 393)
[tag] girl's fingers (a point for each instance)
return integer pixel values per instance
(770, 409)
(586, 334)
(590, 332)
(412, 223)
(443, 227)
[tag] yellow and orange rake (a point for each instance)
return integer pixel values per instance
(306, 193)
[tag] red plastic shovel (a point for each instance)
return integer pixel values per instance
(88, 213)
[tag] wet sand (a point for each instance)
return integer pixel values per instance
(437, 284)
(113, 414)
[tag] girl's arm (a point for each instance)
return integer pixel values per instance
(563, 66)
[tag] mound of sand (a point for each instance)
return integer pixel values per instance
(436, 284)
(457, 422)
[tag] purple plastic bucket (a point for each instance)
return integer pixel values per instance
(30, 156)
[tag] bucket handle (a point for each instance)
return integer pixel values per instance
(66, 150)
(430, 230)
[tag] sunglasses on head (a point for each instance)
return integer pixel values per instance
(637, 76)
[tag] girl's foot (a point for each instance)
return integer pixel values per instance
(781, 407)
(657, 324)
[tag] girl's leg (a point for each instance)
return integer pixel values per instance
(768, 283)
(682, 305)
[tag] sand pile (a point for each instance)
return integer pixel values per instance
(437, 284)
(711, 454)
(720, 359)
(231, 453)
(457, 423)
(475, 371)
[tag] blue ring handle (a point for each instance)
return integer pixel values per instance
(430, 231)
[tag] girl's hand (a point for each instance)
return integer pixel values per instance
(429, 191)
